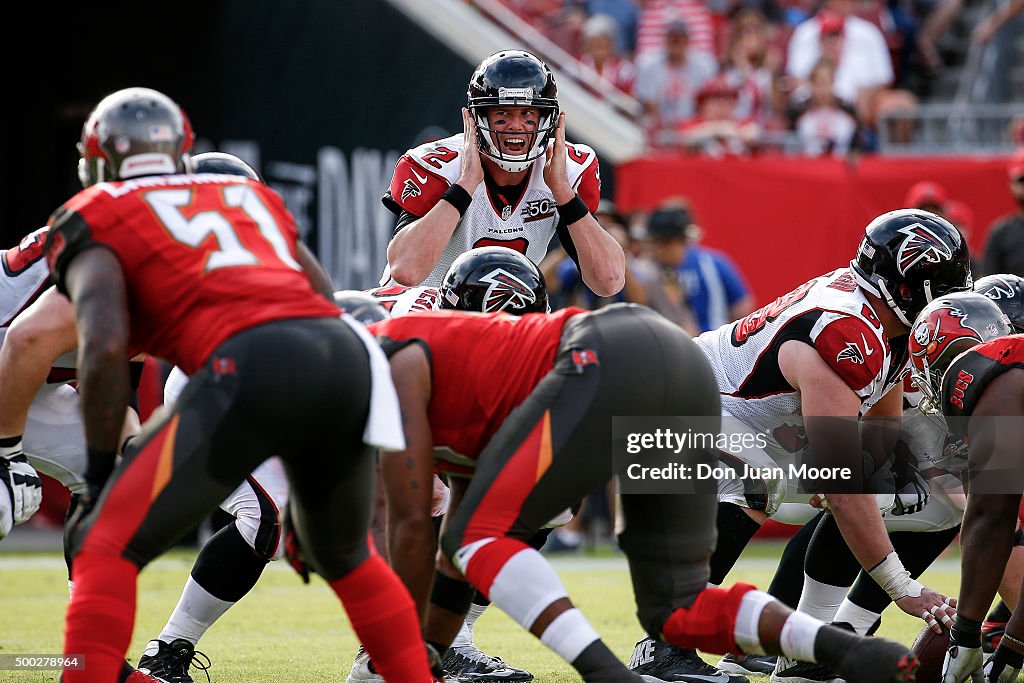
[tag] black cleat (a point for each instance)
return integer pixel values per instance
(665, 663)
(756, 665)
(467, 663)
(169, 663)
(794, 671)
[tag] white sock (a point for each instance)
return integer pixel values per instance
(821, 600)
(465, 634)
(194, 615)
(748, 618)
(856, 616)
(798, 635)
(569, 634)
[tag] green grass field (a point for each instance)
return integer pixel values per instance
(285, 631)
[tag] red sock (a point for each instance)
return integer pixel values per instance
(383, 615)
(101, 616)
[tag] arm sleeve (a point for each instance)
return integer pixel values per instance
(68, 236)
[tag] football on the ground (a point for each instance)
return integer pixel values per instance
(930, 648)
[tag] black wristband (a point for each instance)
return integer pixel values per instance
(457, 196)
(966, 632)
(573, 210)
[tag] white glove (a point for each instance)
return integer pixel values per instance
(963, 664)
(23, 484)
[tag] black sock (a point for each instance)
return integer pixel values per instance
(788, 582)
(829, 560)
(479, 600)
(597, 664)
(1000, 613)
(226, 566)
(917, 549)
(735, 529)
(832, 644)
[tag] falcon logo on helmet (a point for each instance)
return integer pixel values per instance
(921, 244)
(506, 291)
(999, 289)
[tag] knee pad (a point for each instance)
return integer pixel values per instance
(710, 623)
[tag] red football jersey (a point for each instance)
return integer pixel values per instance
(204, 256)
(483, 366)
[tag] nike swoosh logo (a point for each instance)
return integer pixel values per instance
(867, 347)
(422, 179)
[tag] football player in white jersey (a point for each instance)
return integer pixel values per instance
(801, 371)
(509, 179)
(39, 413)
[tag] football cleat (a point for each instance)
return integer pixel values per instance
(664, 663)
(876, 660)
(758, 665)
(793, 671)
(467, 663)
(361, 671)
(170, 662)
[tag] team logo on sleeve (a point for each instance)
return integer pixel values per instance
(936, 332)
(410, 189)
(921, 244)
(852, 353)
(506, 291)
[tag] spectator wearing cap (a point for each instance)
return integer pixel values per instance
(864, 66)
(716, 291)
(716, 131)
(1004, 245)
(667, 84)
(659, 271)
(927, 195)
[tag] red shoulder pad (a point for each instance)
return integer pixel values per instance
(416, 189)
(853, 350)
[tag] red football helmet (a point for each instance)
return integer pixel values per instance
(134, 132)
(944, 329)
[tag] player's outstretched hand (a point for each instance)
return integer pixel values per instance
(936, 609)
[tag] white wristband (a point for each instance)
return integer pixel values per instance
(893, 577)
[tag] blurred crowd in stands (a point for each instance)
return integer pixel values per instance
(745, 77)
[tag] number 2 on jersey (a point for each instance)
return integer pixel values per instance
(168, 205)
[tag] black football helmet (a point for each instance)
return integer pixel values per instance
(944, 329)
(1007, 291)
(513, 78)
(224, 163)
(134, 132)
(490, 279)
(360, 305)
(909, 258)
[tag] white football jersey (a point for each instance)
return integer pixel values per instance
(423, 174)
(831, 314)
(25, 275)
